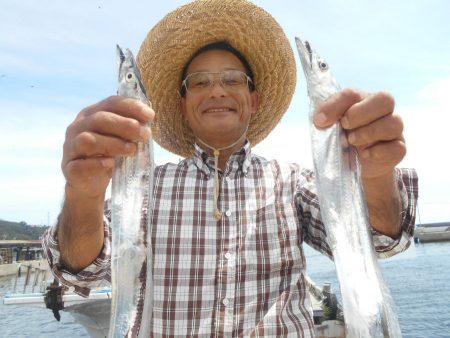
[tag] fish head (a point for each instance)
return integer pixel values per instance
(129, 77)
(321, 83)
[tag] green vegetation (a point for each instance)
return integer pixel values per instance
(13, 230)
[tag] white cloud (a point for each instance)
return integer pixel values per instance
(288, 142)
(28, 126)
(31, 138)
(32, 195)
(426, 126)
(437, 93)
(13, 61)
(427, 138)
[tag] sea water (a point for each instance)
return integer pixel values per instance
(419, 280)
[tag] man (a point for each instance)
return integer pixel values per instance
(228, 226)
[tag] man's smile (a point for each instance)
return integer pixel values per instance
(219, 110)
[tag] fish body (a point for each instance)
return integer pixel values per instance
(131, 201)
(369, 310)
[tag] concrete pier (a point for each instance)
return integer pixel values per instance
(432, 232)
(15, 253)
(9, 269)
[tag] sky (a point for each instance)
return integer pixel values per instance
(57, 57)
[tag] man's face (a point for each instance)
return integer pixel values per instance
(217, 115)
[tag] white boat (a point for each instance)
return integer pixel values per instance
(94, 312)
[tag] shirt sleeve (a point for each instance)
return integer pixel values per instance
(313, 230)
(386, 246)
(94, 275)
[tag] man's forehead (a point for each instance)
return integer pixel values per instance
(215, 58)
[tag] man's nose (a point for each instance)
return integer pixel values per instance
(216, 89)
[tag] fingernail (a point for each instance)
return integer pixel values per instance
(352, 138)
(148, 111)
(144, 132)
(108, 163)
(129, 147)
(320, 119)
(344, 122)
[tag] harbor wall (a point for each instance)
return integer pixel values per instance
(9, 269)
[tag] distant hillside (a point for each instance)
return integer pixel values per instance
(13, 230)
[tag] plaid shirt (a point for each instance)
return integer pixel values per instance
(244, 274)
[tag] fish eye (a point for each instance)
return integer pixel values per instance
(322, 65)
(129, 76)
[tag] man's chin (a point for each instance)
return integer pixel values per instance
(221, 123)
(223, 131)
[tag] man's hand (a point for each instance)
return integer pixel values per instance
(99, 133)
(377, 134)
(371, 126)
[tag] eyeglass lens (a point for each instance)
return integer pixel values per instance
(229, 79)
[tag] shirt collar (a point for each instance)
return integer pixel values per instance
(240, 160)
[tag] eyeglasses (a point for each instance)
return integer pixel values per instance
(230, 80)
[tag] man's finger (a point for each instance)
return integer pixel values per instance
(111, 124)
(373, 107)
(93, 145)
(336, 106)
(389, 153)
(90, 175)
(387, 128)
(123, 106)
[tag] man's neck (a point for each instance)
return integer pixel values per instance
(225, 154)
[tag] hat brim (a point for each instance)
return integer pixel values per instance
(246, 27)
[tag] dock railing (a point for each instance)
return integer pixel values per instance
(36, 276)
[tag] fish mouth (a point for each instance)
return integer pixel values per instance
(305, 52)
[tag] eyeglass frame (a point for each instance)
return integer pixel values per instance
(250, 85)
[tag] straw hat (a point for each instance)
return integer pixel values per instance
(246, 27)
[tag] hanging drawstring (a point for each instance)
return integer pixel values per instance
(217, 213)
(216, 151)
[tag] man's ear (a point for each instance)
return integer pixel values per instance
(183, 108)
(254, 97)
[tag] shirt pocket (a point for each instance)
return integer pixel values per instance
(271, 242)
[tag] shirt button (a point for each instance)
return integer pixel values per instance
(227, 255)
(226, 302)
(228, 179)
(228, 213)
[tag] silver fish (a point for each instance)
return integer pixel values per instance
(131, 198)
(369, 309)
